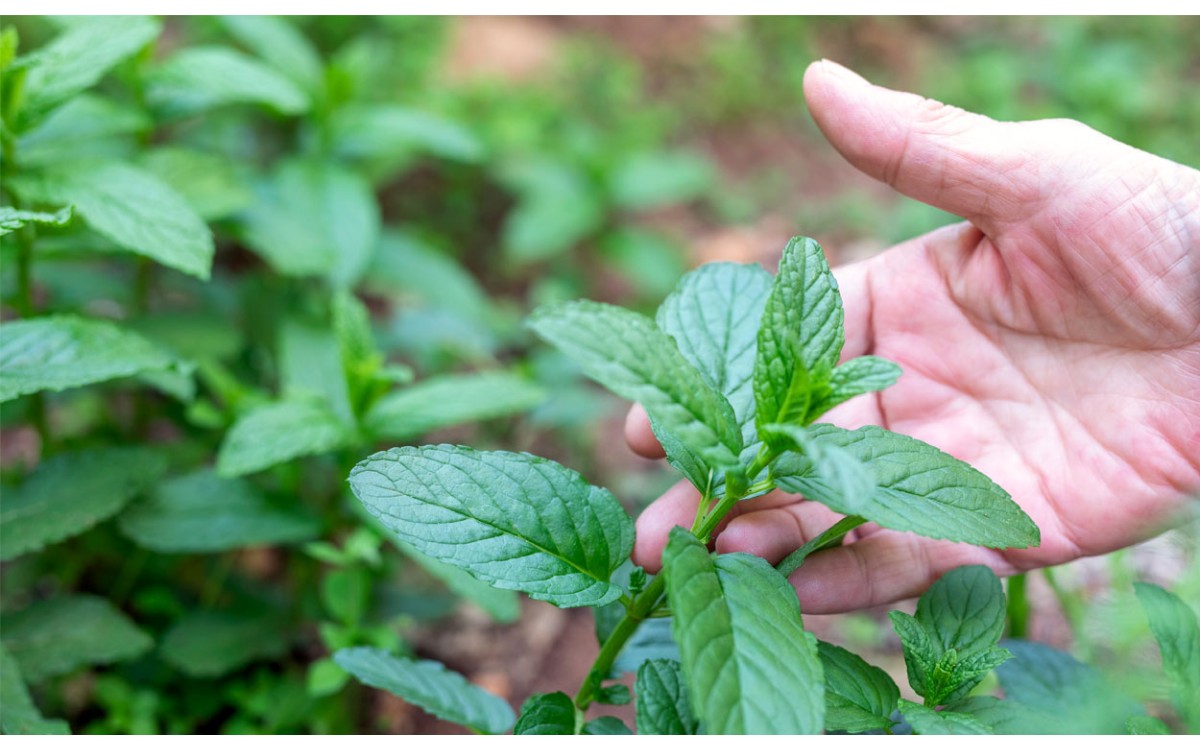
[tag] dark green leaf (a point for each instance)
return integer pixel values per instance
(449, 400)
(965, 610)
(511, 519)
(918, 488)
(750, 666)
(1175, 628)
(854, 378)
(628, 354)
(858, 697)
(652, 180)
(662, 699)
(801, 335)
(606, 725)
(921, 652)
(130, 207)
(928, 721)
(57, 636)
(72, 492)
(547, 713)
(280, 44)
(614, 695)
(279, 432)
(212, 644)
(198, 79)
(430, 686)
(201, 512)
(11, 219)
(18, 713)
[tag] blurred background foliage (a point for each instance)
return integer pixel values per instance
(388, 197)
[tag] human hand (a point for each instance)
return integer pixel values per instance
(1052, 341)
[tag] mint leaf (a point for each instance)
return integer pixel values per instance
(210, 184)
(430, 686)
(628, 354)
(57, 636)
(391, 131)
(547, 713)
(130, 207)
(652, 640)
(750, 666)
(62, 351)
(85, 127)
(858, 697)
(207, 644)
(801, 335)
(1059, 695)
(69, 493)
(606, 725)
(314, 219)
(502, 605)
(662, 699)
(311, 368)
(279, 43)
(514, 520)
(921, 652)
(198, 79)
(1146, 725)
(79, 58)
(557, 207)
(1175, 628)
(201, 512)
(18, 713)
(279, 432)
(918, 488)
(449, 400)
(652, 180)
(12, 219)
(844, 481)
(713, 315)
(854, 378)
(928, 721)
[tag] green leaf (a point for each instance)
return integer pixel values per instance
(628, 354)
(653, 180)
(62, 351)
(921, 652)
(57, 636)
(201, 512)
(1059, 695)
(404, 265)
(449, 400)
(557, 208)
(346, 594)
(72, 492)
(207, 644)
(18, 713)
(430, 686)
(1004, 717)
(965, 610)
(750, 666)
(858, 697)
(606, 725)
(280, 44)
(801, 335)
(79, 58)
(514, 520)
(130, 207)
(1146, 725)
(311, 368)
(504, 606)
(198, 79)
(713, 315)
(12, 219)
(648, 260)
(854, 378)
(844, 480)
(662, 699)
(325, 677)
(1175, 628)
(918, 488)
(391, 131)
(928, 721)
(314, 219)
(547, 713)
(208, 183)
(279, 432)
(86, 127)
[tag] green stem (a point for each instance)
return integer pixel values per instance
(1018, 607)
(643, 606)
(828, 538)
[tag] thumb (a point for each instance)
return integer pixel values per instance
(970, 165)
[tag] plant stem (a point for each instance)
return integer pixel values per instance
(643, 606)
(1018, 607)
(830, 537)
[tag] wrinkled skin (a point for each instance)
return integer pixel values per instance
(1052, 340)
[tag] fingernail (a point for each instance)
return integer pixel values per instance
(842, 72)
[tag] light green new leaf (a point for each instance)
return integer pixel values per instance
(713, 315)
(928, 721)
(1175, 628)
(503, 605)
(12, 219)
(854, 378)
(211, 644)
(70, 493)
(130, 207)
(511, 519)
(858, 697)
(801, 335)
(314, 219)
(449, 400)
(389, 131)
(279, 432)
(198, 79)
(430, 686)
(201, 512)
(57, 636)
(628, 354)
(918, 488)
(662, 699)
(844, 481)
(280, 44)
(79, 58)
(547, 713)
(652, 180)
(210, 184)
(18, 713)
(750, 666)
